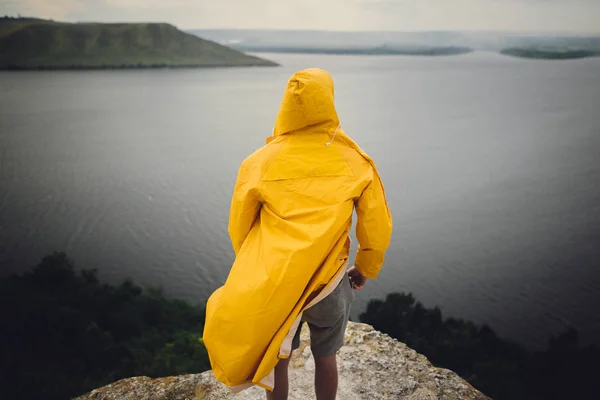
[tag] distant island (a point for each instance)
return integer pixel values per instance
(29, 43)
(547, 46)
(548, 54)
(371, 51)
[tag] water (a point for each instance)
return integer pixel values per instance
(491, 166)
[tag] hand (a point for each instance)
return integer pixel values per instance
(357, 279)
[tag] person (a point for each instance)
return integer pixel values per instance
(290, 219)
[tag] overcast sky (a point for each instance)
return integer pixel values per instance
(399, 15)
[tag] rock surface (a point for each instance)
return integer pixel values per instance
(371, 366)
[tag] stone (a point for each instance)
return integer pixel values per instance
(371, 365)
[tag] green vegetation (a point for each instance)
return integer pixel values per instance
(40, 44)
(499, 368)
(63, 333)
(548, 54)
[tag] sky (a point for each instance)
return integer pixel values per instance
(560, 16)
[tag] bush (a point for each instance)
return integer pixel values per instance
(63, 333)
(499, 368)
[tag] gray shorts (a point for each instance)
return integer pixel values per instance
(327, 321)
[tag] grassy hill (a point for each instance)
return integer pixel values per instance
(40, 44)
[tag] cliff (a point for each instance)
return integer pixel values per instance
(371, 366)
(41, 44)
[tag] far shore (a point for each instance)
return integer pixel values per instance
(123, 67)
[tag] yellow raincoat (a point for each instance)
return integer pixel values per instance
(290, 217)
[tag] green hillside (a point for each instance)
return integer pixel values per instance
(40, 44)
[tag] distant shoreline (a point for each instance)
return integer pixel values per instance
(426, 52)
(548, 54)
(126, 67)
(542, 46)
(369, 51)
(437, 52)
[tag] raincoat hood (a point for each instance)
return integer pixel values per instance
(308, 100)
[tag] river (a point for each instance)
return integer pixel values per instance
(491, 166)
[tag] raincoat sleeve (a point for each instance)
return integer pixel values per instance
(373, 229)
(245, 206)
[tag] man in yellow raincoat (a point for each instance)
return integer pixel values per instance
(290, 218)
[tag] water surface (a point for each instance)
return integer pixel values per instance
(491, 166)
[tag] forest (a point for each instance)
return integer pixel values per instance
(64, 333)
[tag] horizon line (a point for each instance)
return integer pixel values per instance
(496, 31)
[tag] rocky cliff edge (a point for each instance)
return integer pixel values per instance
(371, 366)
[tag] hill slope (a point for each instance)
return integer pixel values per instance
(39, 44)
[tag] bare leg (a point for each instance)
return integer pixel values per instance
(280, 391)
(326, 377)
